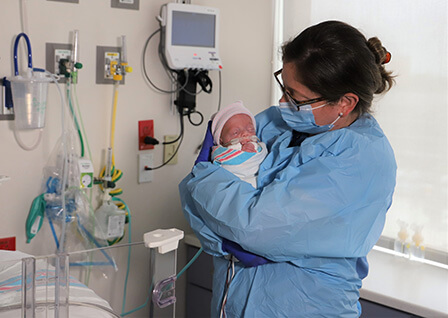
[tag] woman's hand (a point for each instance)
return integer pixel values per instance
(246, 258)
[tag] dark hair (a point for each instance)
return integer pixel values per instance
(333, 58)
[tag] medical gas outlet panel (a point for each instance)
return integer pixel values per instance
(190, 36)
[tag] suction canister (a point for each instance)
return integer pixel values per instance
(29, 92)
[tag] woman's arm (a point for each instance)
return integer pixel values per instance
(330, 206)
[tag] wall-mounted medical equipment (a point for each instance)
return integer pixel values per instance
(64, 202)
(29, 92)
(113, 213)
(188, 50)
(190, 36)
(189, 47)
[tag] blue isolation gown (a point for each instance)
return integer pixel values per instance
(319, 208)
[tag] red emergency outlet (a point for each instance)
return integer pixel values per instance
(145, 129)
(8, 243)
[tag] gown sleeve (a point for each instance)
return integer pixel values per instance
(331, 204)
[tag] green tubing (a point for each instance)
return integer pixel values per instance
(69, 97)
(190, 262)
(82, 122)
(123, 314)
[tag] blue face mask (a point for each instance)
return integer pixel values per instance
(303, 120)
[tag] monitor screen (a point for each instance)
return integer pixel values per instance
(193, 29)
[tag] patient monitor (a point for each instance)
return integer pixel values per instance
(190, 36)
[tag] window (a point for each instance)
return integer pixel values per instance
(414, 113)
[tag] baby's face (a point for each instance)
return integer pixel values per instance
(238, 126)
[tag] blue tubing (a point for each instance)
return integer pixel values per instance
(16, 45)
(90, 236)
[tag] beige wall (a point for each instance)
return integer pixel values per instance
(246, 37)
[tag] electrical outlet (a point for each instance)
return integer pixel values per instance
(145, 160)
(170, 149)
(104, 56)
(145, 129)
(8, 243)
(55, 53)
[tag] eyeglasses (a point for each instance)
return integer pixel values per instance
(293, 101)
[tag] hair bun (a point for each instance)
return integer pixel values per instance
(382, 56)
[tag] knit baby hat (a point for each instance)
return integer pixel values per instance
(221, 117)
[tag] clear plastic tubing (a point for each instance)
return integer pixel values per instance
(75, 47)
(124, 53)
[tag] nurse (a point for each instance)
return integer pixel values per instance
(323, 190)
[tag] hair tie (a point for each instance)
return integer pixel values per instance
(387, 58)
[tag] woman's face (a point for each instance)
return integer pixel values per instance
(323, 115)
(238, 126)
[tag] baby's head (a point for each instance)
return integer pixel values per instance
(232, 122)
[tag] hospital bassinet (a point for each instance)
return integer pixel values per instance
(55, 285)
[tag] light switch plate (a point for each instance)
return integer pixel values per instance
(170, 150)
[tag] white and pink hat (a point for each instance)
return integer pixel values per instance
(221, 117)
